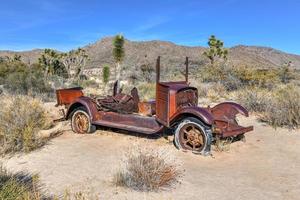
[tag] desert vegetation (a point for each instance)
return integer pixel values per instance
(19, 186)
(146, 169)
(24, 186)
(21, 118)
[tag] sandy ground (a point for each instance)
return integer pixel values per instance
(265, 167)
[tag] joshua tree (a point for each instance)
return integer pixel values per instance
(285, 74)
(50, 62)
(105, 75)
(17, 58)
(118, 53)
(216, 50)
(74, 62)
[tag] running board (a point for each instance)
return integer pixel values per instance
(143, 130)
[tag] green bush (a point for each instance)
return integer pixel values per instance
(21, 117)
(234, 78)
(85, 83)
(19, 186)
(19, 78)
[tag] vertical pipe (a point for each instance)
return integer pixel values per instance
(158, 69)
(186, 69)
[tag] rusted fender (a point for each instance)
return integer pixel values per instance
(201, 113)
(88, 103)
(228, 109)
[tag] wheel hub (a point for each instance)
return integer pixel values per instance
(192, 137)
(81, 122)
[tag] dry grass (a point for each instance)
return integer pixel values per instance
(21, 117)
(146, 91)
(147, 169)
(284, 108)
(254, 99)
(223, 145)
(279, 107)
(79, 195)
(19, 186)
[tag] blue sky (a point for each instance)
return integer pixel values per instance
(66, 24)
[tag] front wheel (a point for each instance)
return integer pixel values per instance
(192, 135)
(81, 122)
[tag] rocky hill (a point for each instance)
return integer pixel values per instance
(138, 53)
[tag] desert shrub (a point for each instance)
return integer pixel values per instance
(148, 169)
(254, 99)
(233, 78)
(7, 68)
(264, 78)
(21, 117)
(222, 74)
(223, 144)
(86, 83)
(26, 83)
(19, 186)
(79, 195)
(146, 91)
(19, 78)
(216, 91)
(201, 87)
(279, 107)
(284, 108)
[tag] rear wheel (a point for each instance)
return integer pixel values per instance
(192, 135)
(81, 122)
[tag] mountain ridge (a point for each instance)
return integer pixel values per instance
(139, 52)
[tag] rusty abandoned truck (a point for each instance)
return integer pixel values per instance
(175, 111)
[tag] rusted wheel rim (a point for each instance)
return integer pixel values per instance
(191, 137)
(81, 122)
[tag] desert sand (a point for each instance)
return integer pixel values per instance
(266, 166)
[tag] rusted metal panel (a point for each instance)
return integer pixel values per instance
(67, 96)
(89, 105)
(131, 122)
(162, 105)
(227, 128)
(198, 112)
(186, 97)
(147, 108)
(224, 115)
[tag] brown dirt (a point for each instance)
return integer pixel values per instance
(265, 167)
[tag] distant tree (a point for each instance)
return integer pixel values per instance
(2, 60)
(105, 75)
(50, 62)
(215, 50)
(285, 73)
(17, 58)
(147, 70)
(118, 53)
(74, 62)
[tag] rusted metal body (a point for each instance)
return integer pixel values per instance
(174, 102)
